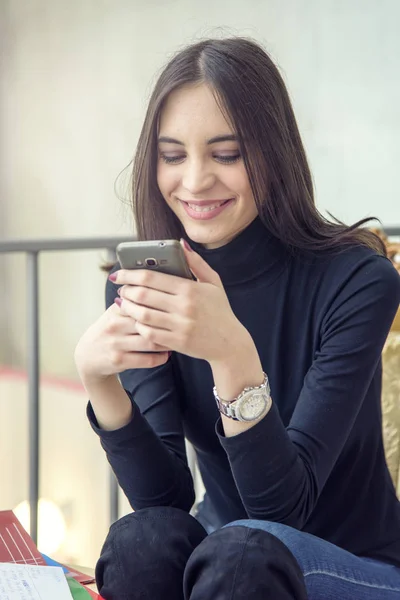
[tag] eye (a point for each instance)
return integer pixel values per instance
(227, 159)
(172, 159)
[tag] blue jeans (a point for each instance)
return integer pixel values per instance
(331, 573)
(164, 553)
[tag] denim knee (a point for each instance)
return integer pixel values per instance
(280, 531)
(239, 562)
(294, 540)
(330, 571)
(145, 554)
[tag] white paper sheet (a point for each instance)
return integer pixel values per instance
(31, 582)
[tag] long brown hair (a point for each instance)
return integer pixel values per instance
(250, 91)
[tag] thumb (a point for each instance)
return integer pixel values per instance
(200, 269)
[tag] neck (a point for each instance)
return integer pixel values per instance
(221, 243)
(249, 255)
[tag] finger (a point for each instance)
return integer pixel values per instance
(123, 313)
(150, 279)
(122, 322)
(201, 270)
(148, 316)
(149, 297)
(161, 337)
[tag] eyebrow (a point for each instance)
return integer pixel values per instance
(219, 138)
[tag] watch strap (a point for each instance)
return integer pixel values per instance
(228, 408)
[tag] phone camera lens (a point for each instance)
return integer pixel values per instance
(151, 262)
(161, 244)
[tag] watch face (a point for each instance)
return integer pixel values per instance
(252, 405)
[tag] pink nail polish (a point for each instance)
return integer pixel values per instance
(118, 301)
(187, 246)
(112, 277)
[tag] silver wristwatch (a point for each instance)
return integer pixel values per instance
(250, 405)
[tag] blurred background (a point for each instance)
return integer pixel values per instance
(74, 81)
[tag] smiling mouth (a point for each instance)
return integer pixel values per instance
(206, 206)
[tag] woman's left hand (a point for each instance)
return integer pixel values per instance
(190, 317)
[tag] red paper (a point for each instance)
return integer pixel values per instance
(16, 546)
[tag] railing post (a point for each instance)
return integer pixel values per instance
(113, 498)
(113, 487)
(33, 388)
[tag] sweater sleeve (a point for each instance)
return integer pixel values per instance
(299, 459)
(148, 455)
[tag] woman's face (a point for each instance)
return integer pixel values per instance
(200, 171)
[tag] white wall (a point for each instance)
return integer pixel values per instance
(73, 85)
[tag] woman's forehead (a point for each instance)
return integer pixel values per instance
(193, 110)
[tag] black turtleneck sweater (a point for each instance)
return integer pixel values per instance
(316, 461)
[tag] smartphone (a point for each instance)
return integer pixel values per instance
(166, 256)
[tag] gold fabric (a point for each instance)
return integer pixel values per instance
(391, 404)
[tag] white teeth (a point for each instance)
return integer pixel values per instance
(197, 208)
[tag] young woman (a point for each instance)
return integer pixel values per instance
(269, 363)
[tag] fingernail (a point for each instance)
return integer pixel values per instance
(113, 277)
(119, 291)
(118, 301)
(187, 245)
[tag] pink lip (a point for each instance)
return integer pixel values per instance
(210, 214)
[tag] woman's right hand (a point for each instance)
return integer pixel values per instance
(112, 345)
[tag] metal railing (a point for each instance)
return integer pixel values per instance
(392, 231)
(32, 250)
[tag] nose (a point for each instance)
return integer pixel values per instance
(197, 177)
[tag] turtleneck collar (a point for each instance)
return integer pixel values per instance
(249, 255)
